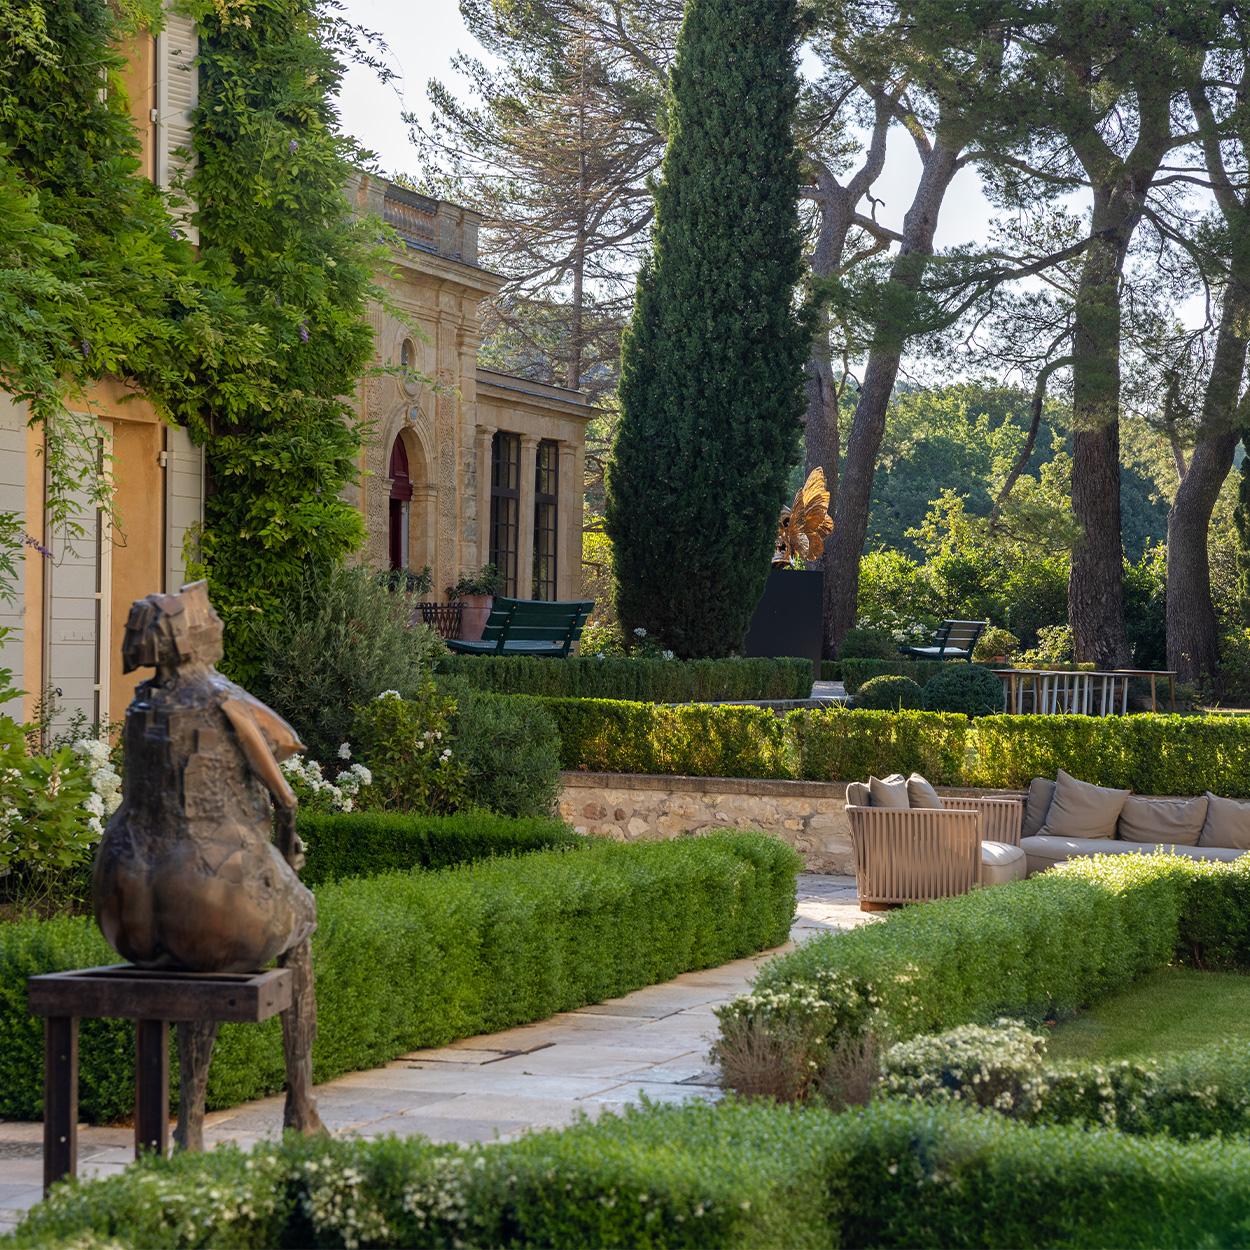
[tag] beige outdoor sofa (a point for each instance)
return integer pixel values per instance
(1067, 818)
(911, 846)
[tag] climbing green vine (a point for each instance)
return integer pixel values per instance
(257, 343)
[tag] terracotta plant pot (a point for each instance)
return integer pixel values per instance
(474, 613)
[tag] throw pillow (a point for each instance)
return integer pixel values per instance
(1081, 810)
(1169, 822)
(1227, 824)
(921, 794)
(1037, 806)
(888, 791)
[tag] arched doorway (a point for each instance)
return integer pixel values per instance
(401, 502)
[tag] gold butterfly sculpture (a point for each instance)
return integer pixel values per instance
(805, 524)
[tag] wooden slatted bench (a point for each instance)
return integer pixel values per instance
(529, 627)
(953, 640)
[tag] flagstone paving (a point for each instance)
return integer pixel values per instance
(652, 1042)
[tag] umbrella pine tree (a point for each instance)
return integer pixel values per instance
(712, 361)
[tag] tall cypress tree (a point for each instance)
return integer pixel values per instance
(712, 361)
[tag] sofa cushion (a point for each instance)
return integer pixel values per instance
(1080, 810)
(888, 791)
(921, 794)
(1043, 852)
(1171, 822)
(1036, 806)
(1227, 824)
(1001, 862)
(857, 794)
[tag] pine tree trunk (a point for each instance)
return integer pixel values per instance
(1096, 582)
(843, 551)
(1192, 632)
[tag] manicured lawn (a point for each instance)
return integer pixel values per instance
(1169, 1011)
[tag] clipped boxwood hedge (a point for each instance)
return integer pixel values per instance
(406, 960)
(1149, 754)
(646, 681)
(736, 1175)
(890, 694)
(809, 744)
(363, 844)
(1031, 948)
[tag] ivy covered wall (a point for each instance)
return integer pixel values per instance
(256, 344)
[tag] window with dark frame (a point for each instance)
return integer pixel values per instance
(546, 515)
(505, 508)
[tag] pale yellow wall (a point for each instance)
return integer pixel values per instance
(138, 551)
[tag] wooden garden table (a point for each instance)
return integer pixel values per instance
(1073, 690)
(152, 999)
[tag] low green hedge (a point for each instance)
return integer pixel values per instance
(856, 672)
(1028, 949)
(1149, 754)
(406, 960)
(735, 1175)
(363, 844)
(810, 744)
(646, 681)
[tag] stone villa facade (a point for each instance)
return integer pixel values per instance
(478, 467)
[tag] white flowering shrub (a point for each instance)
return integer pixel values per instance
(106, 783)
(51, 806)
(1000, 1067)
(799, 1025)
(412, 763)
(316, 794)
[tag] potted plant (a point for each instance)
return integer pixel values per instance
(475, 592)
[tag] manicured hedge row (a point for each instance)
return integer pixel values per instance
(734, 1175)
(1049, 944)
(417, 959)
(811, 744)
(856, 672)
(647, 681)
(1149, 754)
(363, 844)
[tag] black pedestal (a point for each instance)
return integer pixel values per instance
(787, 620)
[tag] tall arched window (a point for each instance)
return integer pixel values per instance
(401, 500)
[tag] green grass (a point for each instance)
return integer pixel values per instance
(1164, 1013)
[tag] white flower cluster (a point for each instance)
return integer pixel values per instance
(440, 1199)
(106, 795)
(390, 694)
(341, 793)
(335, 1201)
(1000, 1067)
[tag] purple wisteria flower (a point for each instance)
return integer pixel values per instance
(290, 147)
(85, 347)
(303, 331)
(38, 546)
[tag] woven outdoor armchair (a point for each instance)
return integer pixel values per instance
(913, 855)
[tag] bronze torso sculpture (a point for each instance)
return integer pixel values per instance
(186, 876)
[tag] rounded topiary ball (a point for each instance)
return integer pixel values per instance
(966, 688)
(889, 694)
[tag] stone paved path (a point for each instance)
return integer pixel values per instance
(653, 1041)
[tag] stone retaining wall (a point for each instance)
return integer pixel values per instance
(809, 815)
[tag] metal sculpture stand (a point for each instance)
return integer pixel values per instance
(200, 1000)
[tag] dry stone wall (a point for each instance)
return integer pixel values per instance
(809, 815)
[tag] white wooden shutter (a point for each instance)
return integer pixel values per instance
(177, 94)
(184, 501)
(78, 588)
(13, 499)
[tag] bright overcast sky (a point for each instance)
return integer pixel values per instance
(424, 37)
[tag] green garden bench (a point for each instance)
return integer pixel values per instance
(528, 627)
(953, 640)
